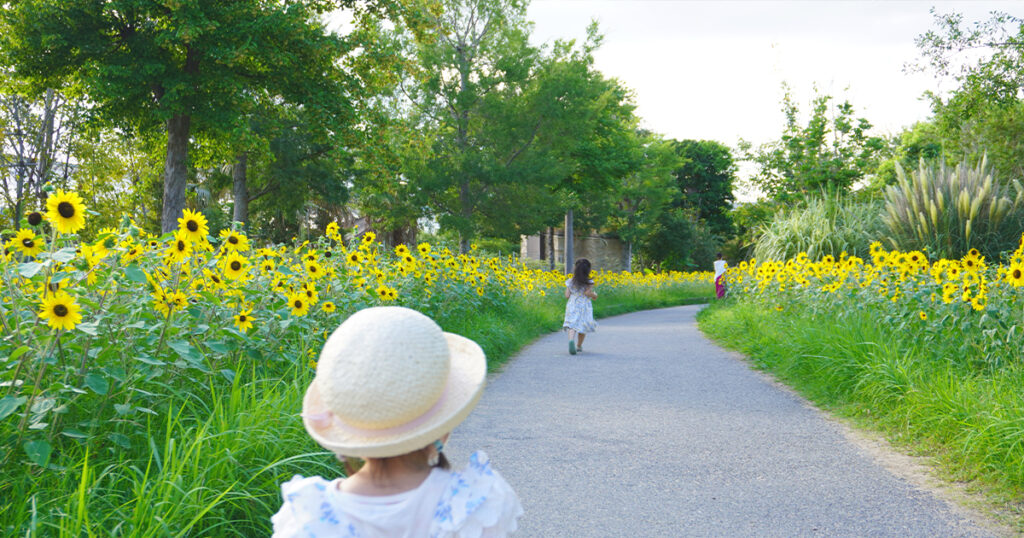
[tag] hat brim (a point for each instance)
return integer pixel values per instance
(465, 384)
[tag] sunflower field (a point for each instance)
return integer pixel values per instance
(115, 351)
(927, 351)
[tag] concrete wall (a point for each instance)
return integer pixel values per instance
(605, 253)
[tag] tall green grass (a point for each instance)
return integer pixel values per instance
(922, 392)
(213, 465)
(821, 226)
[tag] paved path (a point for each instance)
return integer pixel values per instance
(656, 431)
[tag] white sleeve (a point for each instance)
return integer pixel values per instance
(478, 503)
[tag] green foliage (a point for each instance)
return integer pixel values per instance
(916, 385)
(946, 211)
(831, 153)
(983, 115)
(680, 242)
(822, 226)
(705, 179)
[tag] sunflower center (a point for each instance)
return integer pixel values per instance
(60, 310)
(181, 246)
(298, 304)
(242, 318)
(28, 243)
(66, 209)
(233, 240)
(192, 226)
(1016, 273)
(34, 218)
(236, 265)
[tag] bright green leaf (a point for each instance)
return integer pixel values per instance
(10, 404)
(97, 383)
(38, 452)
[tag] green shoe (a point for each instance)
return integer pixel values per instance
(572, 347)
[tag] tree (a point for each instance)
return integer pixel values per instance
(477, 69)
(705, 178)
(831, 153)
(35, 140)
(647, 193)
(984, 114)
(192, 66)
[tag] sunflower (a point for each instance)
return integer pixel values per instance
(297, 302)
(243, 320)
(332, 229)
(314, 270)
(424, 249)
(179, 249)
(194, 226)
(921, 314)
(66, 211)
(27, 242)
(235, 266)
(354, 258)
(133, 253)
(268, 267)
(35, 218)
(401, 251)
(368, 238)
(328, 307)
(1015, 275)
(234, 241)
(60, 311)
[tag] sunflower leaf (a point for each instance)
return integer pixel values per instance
(38, 452)
(29, 269)
(64, 255)
(97, 383)
(10, 404)
(134, 273)
(87, 328)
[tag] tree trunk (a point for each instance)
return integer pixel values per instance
(175, 171)
(570, 257)
(629, 256)
(543, 245)
(551, 248)
(240, 190)
(467, 214)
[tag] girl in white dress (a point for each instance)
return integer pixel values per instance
(579, 312)
(389, 387)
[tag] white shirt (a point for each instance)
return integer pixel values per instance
(474, 502)
(719, 268)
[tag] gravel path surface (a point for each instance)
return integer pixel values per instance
(656, 431)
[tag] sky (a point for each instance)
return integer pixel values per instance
(714, 70)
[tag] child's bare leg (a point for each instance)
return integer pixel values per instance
(579, 339)
(572, 334)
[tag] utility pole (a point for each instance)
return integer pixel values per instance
(570, 257)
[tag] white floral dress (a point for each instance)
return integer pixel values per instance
(474, 503)
(579, 311)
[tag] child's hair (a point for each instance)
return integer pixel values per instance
(581, 274)
(719, 255)
(383, 464)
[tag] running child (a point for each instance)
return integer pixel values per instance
(579, 312)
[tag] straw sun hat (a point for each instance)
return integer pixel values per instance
(389, 382)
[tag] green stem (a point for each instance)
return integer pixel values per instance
(35, 390)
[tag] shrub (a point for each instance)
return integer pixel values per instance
(824, 226)
(946, 210)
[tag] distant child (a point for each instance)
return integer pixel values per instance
(720, 267)
(389, 388)
(579, 312)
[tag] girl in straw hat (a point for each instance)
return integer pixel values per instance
(579, 312)
(389, 387)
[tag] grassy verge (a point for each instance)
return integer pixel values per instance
(923, 394)
(213, 464)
